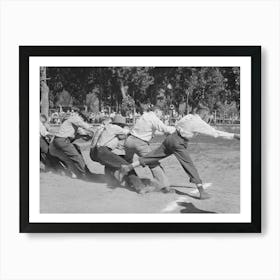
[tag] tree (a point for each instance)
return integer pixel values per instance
(44, 92)
(133, 83)
(132, 80)
(123, 87)
(200, 86)
(232, 76)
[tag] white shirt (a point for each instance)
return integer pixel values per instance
(191, 124)
(147, 124)
(70, 126)
(119, 150)
(109, 135)
(43, 130)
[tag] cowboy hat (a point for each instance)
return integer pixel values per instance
(120, 120)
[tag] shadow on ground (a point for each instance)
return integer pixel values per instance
(190, 208)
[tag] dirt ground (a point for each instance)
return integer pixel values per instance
(217, 160)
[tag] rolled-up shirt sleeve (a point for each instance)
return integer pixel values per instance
(80, 123)
(160, 126)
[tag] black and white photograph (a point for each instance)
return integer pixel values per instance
(140, 139)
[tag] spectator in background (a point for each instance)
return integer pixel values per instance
(102, 114)
(55, 117)
(166, 119)
(113, 114)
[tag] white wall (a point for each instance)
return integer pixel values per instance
(123, 256)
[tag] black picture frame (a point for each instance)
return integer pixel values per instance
(25, 52)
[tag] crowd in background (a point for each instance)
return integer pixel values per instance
(57, 116)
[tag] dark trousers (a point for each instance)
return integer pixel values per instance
(110, 160)
(44, 145)
(44, 149)
(113, 162)
(173, 144)
(46, 157)
(69, 154)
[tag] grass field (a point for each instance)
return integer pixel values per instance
(217, 160)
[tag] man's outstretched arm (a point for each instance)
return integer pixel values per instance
(202, 127)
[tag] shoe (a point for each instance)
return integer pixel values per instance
(168, 190)
(203, 194)
(119, 176)
(125, 169)
(42, 167)
(147, 189)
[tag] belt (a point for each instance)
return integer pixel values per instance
(60, 137)
(66, 138)
(139, 138)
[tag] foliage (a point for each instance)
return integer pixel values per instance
(128, 105)
(123, 87)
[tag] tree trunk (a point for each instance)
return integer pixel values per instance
(187, 101)
(44, 92)
(124, 90)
